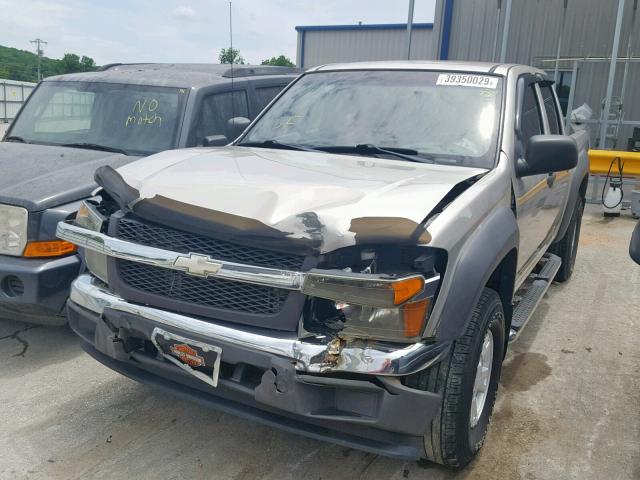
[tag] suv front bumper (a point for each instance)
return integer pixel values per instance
(355, 399)
(36, 289)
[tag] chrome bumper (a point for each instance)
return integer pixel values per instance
(314, 357)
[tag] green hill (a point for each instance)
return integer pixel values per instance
(22, 65)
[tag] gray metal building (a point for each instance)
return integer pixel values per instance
(536, 32)
(346, 43)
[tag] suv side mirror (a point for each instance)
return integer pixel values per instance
(634, 248)
(214, 141)
(235, 126)
(546, 154)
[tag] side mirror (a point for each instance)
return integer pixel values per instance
(215, 141)
(634, 248)
(235, 126)
(546, 154)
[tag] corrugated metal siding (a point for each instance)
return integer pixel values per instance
(12, 95)
(331, 46)
(535, 27)
(534, 30)
(472, 30)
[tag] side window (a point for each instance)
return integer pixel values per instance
(215, 111)
(531, 120)
(264, 96)
(551, 110)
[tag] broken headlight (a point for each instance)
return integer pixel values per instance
(368, 305)
(399, 324)
(90, 218)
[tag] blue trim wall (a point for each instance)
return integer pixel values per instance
(371, 26)
(447, 19)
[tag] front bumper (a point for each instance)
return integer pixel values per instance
(275, 380)
(31, 289)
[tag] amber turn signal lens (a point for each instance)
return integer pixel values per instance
(414, 315)
(403, 290)
(53, 248)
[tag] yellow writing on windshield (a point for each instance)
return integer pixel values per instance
(144, 112)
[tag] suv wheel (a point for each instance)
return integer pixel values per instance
(468, 381)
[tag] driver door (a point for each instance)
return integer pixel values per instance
(533, 193)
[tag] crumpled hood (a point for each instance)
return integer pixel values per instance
(38, 177)
(331, 200)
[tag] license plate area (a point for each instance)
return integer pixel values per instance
(197, 358)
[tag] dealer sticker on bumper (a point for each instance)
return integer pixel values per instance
(199, 359)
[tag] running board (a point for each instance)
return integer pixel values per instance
(533, 290)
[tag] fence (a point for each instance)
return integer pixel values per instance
(12, 95)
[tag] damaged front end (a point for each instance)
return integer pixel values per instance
(328, 337)
(361, 308)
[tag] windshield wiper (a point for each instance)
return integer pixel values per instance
(408, 154)
(278, 144)
(15, 138)
(95, 146)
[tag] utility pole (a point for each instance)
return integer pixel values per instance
(557, 66)
(505, 32)
(38, 43)
(409, 27)
(612, 73)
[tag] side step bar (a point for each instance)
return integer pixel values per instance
(533, 290)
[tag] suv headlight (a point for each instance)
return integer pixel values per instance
(90, 218)
(13, 230)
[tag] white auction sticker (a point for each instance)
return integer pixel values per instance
(466, 80)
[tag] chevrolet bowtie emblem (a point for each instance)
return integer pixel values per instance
(199, 265)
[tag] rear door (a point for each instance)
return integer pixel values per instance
(533, 192)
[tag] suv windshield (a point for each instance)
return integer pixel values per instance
(136, 119)
(442, 117)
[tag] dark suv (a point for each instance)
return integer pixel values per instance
(73, 124)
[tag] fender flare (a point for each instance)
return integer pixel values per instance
(578, 176)
(481, 254)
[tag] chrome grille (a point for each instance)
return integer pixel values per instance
(210, 292)
(184, 289)
(154, 235)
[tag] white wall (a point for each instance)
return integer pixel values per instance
(12, 95)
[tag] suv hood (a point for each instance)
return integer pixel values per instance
(38, 177)
(318, 200)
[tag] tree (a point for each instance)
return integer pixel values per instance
(71, 63)
(22, 64)
(230, 55)
(87, 64)
(280, 61)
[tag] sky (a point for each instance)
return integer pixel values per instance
(182, 30)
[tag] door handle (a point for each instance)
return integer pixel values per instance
(551, 178)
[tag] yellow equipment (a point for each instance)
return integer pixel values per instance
(600, 161)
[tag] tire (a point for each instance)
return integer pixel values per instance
(453, 441)
(567, 247)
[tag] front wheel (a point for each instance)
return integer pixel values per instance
(469, 383)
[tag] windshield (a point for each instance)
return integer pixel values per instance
(444, 117)
(138, 119)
